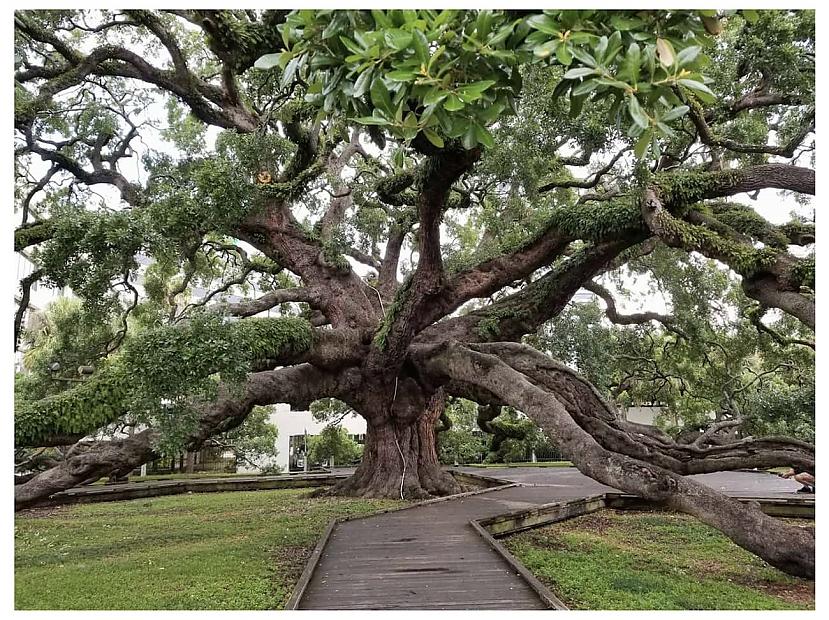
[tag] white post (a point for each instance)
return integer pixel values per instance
(305, 460)
(144, 469)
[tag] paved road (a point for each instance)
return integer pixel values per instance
(569, 480)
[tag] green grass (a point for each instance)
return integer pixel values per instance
(639, 560)
(539, 464)
(242, 550)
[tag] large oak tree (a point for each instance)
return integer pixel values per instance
(403, 189)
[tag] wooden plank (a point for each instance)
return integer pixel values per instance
(310, 566)
(777, 506)
(510, 523)
(543, 591)
(140, 490)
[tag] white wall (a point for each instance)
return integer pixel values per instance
(290, 423)
(642, 415)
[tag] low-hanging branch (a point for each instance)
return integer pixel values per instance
(558, 411)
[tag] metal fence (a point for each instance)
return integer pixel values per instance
(206, 460)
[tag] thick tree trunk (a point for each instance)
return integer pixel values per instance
(190, 462)
(400, 459)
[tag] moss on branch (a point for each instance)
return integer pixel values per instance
(172, 362)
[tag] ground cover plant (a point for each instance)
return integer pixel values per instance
(616, 559)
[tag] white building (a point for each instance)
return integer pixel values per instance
(295, 427)
(642, 415)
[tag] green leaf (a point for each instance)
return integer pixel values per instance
(544, 23)
(585, 87)
(502, 35)
(453, 104)
(483, 136)
(435, 95)
(636, 113)
(290, 71)
(750, 15)
(576, 104)
(472, 92)
(665, 51)
(564, 55)
(601, 48)
(433, 137)
(492, 112)
(676, 113)
(666, 131)
(268, 61)
(688, 55)
(397, 39)
(641, 146)
(353, 47)
(380, 95)
(706, 94)
(470, 137)
(546, 49)
(584, 57)
(381, 19)
(630, 66)
(483, 24)
(371, 120)
(573, 74)
(625, 23)
(410, 120)
(362, 83)
(400, 75)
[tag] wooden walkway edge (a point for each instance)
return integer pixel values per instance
(444, 554)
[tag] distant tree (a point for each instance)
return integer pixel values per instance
(461, 440)
(252, 442)
(333, 445)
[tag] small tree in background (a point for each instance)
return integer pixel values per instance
(335, 446)
(253, 442)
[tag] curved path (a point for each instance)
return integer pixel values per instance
(430, 557)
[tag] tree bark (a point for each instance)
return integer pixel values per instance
(400, 459)
(791, 549)
(190, 462)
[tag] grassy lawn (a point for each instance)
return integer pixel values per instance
(539, 464)
(653, 560)
(241, 550)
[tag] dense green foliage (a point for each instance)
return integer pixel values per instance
(253, 442)
(334, 446)
(158, 377)
(450, 74)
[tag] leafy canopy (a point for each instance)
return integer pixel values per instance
(451, 74)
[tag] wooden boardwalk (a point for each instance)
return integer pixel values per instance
(430, 557)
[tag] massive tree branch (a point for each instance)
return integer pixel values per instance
(787, 150)
(789, 548)
(406, 317)
(297, 385)
(207, 102)
(771, 277)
